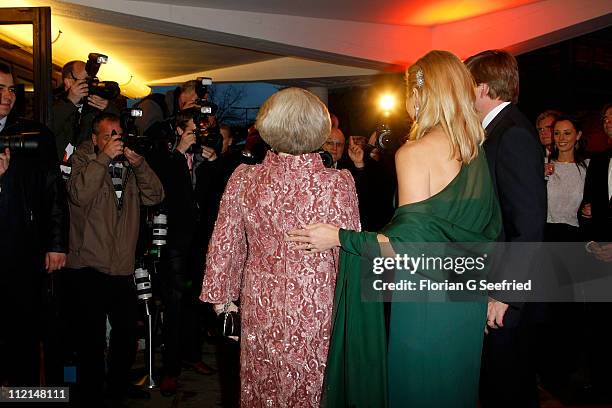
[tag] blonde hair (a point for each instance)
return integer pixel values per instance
(293, 121)
(446, 98)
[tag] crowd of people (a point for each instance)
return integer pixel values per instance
(279, 231)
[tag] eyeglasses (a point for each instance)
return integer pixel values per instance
(542, 129)
(330, 143)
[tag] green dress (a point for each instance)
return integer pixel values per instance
(433, 357)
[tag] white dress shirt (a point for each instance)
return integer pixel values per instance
(610, 179)
(493, 113)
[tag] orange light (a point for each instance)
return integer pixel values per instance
(445, 11)
(387, 102)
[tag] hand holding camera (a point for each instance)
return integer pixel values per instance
(97, 102)
(132, 157)
(187, 140)
(114, 147)
(78, 91)
(209, 153)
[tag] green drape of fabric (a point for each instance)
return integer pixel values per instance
(434, 347)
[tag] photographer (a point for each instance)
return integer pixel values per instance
(212, 177)
(375, 185)
(182, 257)
(158, 108)
(74, 108)
(105, 193)
(33, 235)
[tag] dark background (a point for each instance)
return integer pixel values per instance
(573, 76)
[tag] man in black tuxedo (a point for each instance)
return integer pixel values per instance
(597, 216)
(517, 168)
(33, 238)
(597, 196)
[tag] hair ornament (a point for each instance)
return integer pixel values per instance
(420, 82)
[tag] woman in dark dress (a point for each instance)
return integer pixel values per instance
(445, 195)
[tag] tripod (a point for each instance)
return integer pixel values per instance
(142, 279)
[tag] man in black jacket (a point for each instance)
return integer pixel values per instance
(34, 237)
(74, 109)
(182, 257)
(515, 159)
(157, 108)
(597, 214)
(598, 196)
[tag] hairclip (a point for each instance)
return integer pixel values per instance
(419, 78)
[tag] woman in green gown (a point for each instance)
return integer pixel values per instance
(445, 195)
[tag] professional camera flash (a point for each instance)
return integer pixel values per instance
(206, 109)
(136, 113)
(205, 80)
(387, 102)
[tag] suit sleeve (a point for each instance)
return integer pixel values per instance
(523, 201)
(55, 206)
(227, 251)
(62, 124)
(521, 186)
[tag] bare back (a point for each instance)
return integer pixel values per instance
(425, 167)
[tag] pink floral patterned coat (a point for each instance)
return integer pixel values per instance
(286, 296)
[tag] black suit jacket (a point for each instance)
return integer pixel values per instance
(599, 227)
(33, 206)
(515, 161)
(517, 168)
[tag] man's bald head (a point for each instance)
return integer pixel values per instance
(73, 71)
(335, 144)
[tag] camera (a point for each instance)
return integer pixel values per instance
(131, 139)
(385, 139)
(207, 108)
(20, 141)
(326, 158)
(104, 89)
(206, 135)
(202, 84)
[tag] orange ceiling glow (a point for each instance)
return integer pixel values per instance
(428, 13)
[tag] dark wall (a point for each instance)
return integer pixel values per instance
(358, 111)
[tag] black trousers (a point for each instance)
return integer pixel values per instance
(88, 297)
(20, 312)
(508, 366)
(181, 280)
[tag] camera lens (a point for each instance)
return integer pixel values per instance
(160, 229)
(142, 280)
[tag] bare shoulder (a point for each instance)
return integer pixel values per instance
(417, 151)
(412, 166)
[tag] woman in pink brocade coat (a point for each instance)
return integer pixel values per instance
(286, 298)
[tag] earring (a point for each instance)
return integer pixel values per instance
(416, 112)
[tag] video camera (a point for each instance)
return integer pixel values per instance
(104, 89)
(20, 141)
(131, 139)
